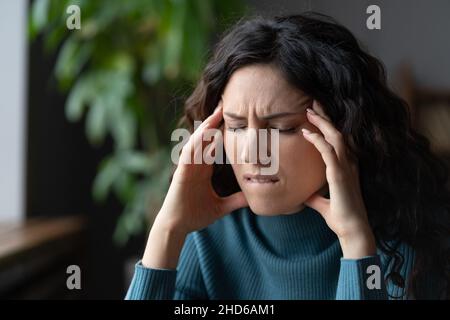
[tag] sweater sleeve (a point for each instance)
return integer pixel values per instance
(361, 279)
(183, 283)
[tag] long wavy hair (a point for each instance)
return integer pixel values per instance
(403, 183)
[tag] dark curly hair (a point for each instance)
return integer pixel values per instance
(402, 182)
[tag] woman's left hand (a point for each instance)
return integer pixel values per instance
(344, 212)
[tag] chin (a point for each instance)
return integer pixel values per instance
(270, 208)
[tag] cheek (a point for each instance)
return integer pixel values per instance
(295, 148)
(300, 161)
(230, 153)
(230, 147)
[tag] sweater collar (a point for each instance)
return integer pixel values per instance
(301, 233)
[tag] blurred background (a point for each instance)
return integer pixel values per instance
(90, 93)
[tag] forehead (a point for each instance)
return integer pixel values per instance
(262, 88)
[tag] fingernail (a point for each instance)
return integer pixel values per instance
(306, 131)
(311, 111)
(217, 108)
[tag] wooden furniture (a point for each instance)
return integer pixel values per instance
(34, 256)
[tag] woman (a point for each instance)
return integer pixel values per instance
(358, 208)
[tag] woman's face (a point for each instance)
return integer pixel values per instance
(258, 97)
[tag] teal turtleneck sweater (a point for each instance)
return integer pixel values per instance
(247, 256)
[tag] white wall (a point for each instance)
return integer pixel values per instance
(13, 34)
(414, 31)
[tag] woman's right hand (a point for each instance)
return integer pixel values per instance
(191, 202)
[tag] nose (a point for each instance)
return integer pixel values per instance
(255, 147)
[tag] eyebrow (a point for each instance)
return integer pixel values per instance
(268, 117)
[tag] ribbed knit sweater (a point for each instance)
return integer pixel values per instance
(247, 256)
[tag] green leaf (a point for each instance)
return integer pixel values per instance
(174, 39)
(71, 59)
(125, 129)
(133, 219)
(104, 180)
(54, 38)
(125, 186)
(39, 15)
(80, 95)
(152, 72)
(121, 233)
(136, 162)
(96, 121)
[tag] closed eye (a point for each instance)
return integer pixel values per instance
(287, 130)
(234, 129)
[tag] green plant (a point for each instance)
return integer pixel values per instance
(120, 71)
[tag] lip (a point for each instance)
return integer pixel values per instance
(261, 179)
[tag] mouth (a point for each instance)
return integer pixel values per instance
(260, 179)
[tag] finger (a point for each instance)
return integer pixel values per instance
(212, 120)
(215, 118)
(193, 148)
(190, 150)
(318, 203)
(211, 148)
(330, 133)
(211, 131)
(235, 201)
(326, 150)
(317, 107)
